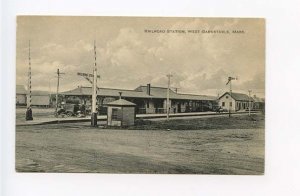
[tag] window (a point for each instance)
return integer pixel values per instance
(116, 114)
(223, 104)
(147, 103)
(226, 97)
(230, 103)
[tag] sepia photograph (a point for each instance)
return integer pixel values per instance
(140, 95)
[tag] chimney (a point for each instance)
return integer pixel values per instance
(148, 89)
(120, 95)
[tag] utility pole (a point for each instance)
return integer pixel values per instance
(57, 89)
(94, 95)
(249, 108)
(230, 91)
(50, 92)
(28, 100)
(168, 95)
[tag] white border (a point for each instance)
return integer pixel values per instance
(282, 96)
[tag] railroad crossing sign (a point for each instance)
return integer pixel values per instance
(87, 74)
(88, 77)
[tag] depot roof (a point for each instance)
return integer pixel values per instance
(160, 92)
(139, 92)
(109, 92)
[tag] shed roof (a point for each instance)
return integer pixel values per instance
(120, 102)
(40, 93)
(20, 89)
(238, 96)
(257, 99)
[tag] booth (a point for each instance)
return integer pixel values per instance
(120, 113)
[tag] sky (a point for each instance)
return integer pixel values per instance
(128, 56)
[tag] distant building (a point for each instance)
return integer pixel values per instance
(238, 102)
(148, 99)
(20, 95)
(259, 103)
(38, 98)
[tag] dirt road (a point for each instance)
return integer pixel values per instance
(81, 148)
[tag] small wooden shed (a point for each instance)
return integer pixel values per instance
(120, 113)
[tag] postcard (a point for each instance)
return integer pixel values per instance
(140, 95)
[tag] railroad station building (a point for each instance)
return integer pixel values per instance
(148, 99)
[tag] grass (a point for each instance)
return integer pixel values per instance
(235, 122)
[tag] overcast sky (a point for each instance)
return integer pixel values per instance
(128, 57)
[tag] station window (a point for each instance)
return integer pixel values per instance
(147, 103)
(223, 104)
(230, 103)
(226, 97)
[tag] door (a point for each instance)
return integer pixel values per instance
(179, 108)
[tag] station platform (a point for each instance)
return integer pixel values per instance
(54, 120)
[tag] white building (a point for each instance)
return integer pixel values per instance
(237, 101)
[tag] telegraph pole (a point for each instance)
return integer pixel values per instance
(230, 91)
(168, 95)
(94, 95)
(249, 108)
(57, 89)
(28, 100)
(50, 91)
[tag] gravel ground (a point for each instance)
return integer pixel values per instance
(80, 148)
(37, 113)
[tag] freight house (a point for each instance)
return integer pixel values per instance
(148, 99)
